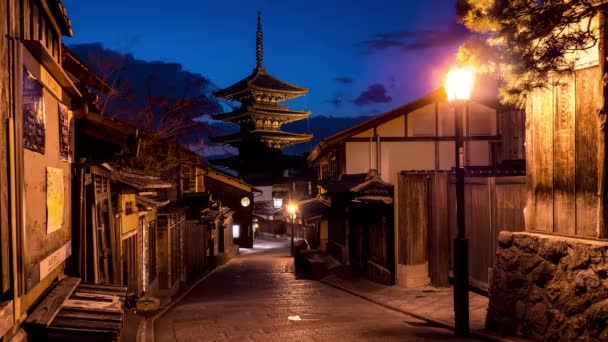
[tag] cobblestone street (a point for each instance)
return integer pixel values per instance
(257, 297)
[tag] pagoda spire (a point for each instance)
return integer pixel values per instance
(259, 47)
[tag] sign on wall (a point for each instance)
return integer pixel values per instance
(48, 264)
(65, 133)
(33, 114)
(54, 199)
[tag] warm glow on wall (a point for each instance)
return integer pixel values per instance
(459, 83)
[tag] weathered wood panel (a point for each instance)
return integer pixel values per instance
(540, 166)
(4, 110)
(52, 303)
(413, 219)
(586, 135)
(563, 157)
(478, 229)
(439, 237)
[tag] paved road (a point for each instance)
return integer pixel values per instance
(257, 297)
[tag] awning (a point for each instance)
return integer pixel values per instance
(78, 312)
(155, 202)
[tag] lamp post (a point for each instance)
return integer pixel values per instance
(291, 209)
(458, 86)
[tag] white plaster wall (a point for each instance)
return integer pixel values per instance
(411, 155)
(357, 157)
(393, 128)
(479, 153)
(446, 120)
(446, 155)
(482, 120)
(421, 122)
(365, 134)
(266, 194)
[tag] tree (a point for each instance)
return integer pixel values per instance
(161, 99)
(524, 42)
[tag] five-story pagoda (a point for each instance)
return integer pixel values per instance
(260, 117)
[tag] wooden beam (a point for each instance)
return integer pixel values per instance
(46, 311)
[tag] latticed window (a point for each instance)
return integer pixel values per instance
(189, 174)
(128, 208)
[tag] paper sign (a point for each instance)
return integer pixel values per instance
(54, 199)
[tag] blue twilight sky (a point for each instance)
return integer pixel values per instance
(357, 57)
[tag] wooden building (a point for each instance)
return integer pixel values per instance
(231, 191)
(566, 205)
(38, 103)
(418, 136)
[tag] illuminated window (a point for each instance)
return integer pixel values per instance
(236, 230)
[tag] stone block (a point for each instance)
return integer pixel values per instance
(550, 288)
(553, 249)
(525, 242)
(543, 273)
(505, 239)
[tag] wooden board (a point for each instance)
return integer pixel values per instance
(413, 221)
(540, 167)
(587, 135)
(47, 310)
(439, 237)
(563, 157)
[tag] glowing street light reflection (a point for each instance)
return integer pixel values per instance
(459, 83)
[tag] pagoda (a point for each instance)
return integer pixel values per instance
(260, 116)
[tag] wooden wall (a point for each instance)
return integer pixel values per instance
(562, 156)
(492, 205)
(427, 221)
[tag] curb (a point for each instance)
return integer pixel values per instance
(148, 325)
(433, 321)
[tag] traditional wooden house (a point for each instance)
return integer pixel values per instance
(368, 159)
(231, 191)
(566, 207)
(38, 103)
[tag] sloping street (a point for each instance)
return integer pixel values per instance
(257, 297)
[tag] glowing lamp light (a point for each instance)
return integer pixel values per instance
(292, 208)
(459, 83)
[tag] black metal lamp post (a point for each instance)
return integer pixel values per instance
(458, 85)
(291, 209)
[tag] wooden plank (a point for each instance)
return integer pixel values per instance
(93, 305)
(439, 237)
(47, 310)
(478, 224)
(541, 167)
(89, 315)
(86, 323)
(414, 204)
(94, 296)
(587, 134)
(563, 157)
(7, 317)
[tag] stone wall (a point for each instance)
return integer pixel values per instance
(551, 288)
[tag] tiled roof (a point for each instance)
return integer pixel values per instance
(141, 182)
(260, 80)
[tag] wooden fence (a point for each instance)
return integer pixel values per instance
(427, 220)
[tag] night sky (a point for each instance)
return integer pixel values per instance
(357, 57)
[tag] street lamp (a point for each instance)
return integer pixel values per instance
(458, 86)
(291, 209)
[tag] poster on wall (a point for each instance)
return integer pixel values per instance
(54, 199)
(33, 114)
(65, 133)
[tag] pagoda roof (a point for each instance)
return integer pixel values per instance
(264, 135)
(260, 81)
(290, 115)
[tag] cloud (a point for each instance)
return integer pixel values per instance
(408, 41)
(344, 80)
(375, 93)
(337, 99)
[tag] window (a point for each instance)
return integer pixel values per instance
(236, 231)
(129, 208)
